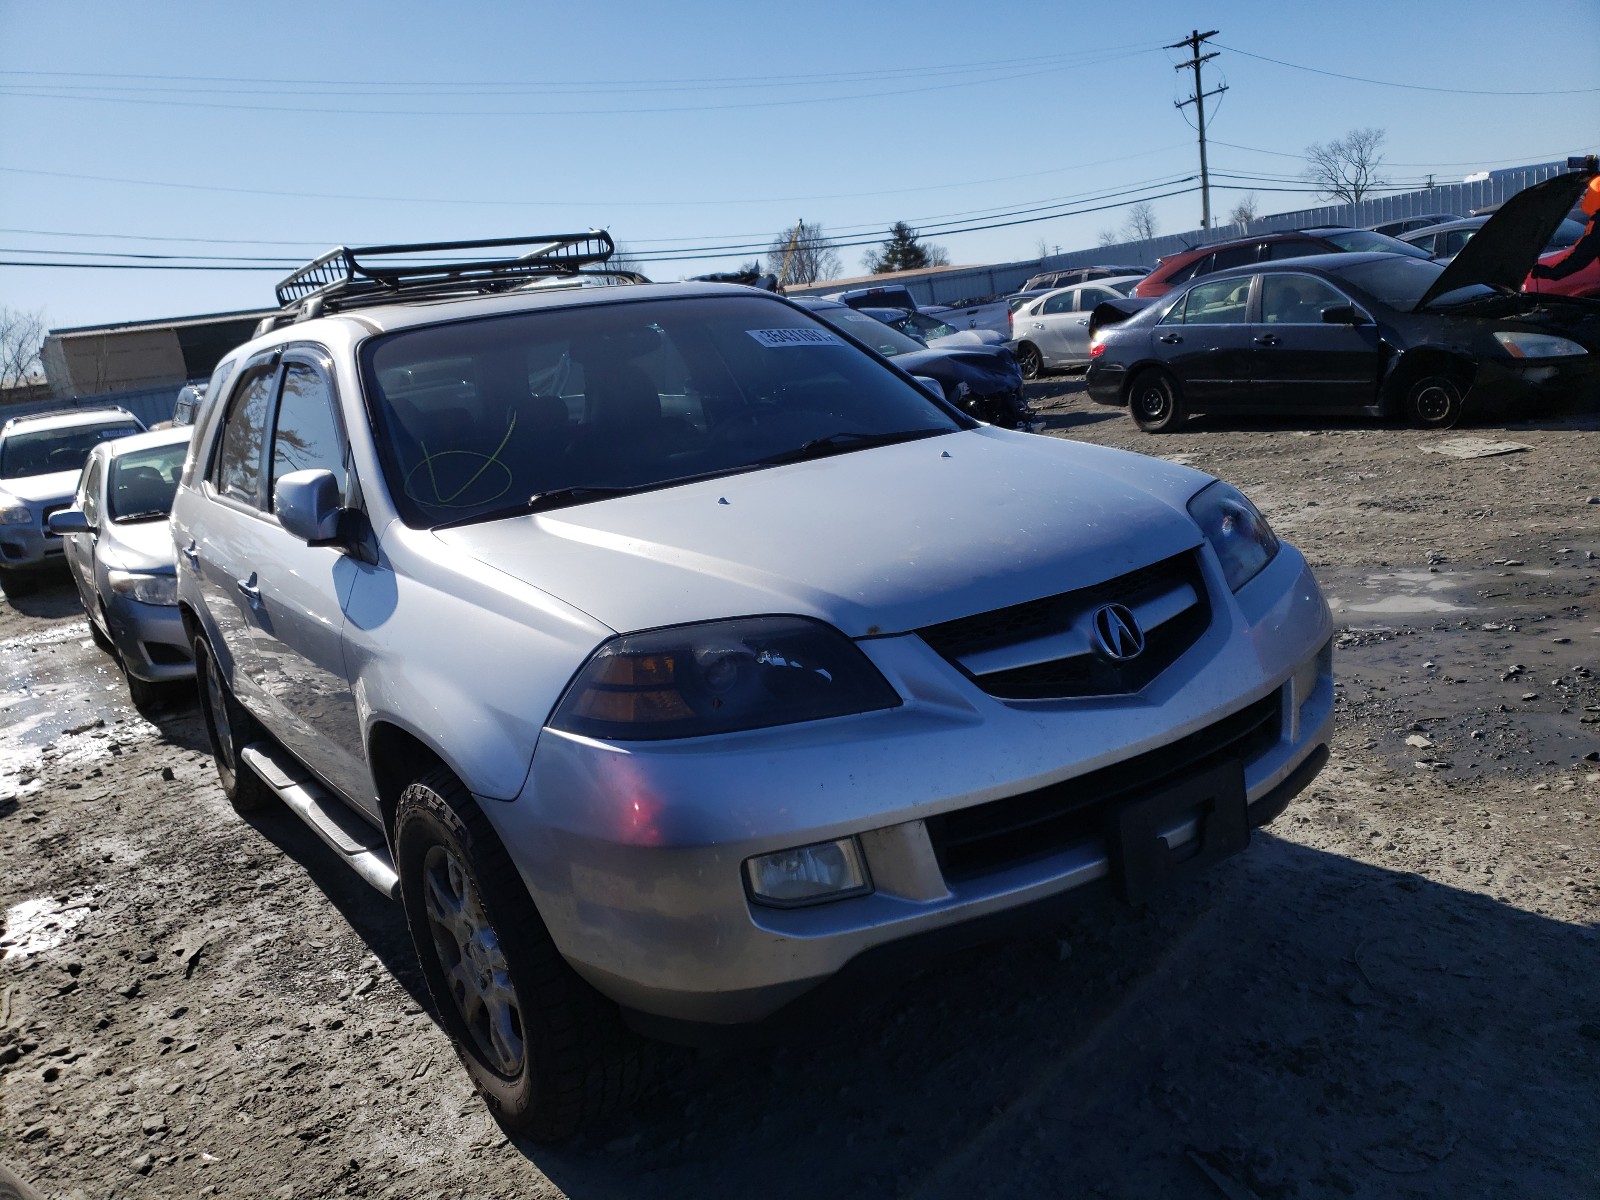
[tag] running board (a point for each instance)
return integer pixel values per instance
(332, 820)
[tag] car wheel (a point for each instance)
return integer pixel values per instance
(18, 583)
(1030, 360)
(1433, 402)
(230, 729)
(1156, 402)
(546, 1051)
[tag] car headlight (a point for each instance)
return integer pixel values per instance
(144, 587)
(1537, 345)
(1240, 535)
(15, 514)
(720, 676)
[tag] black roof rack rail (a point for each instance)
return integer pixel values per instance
(350, 275)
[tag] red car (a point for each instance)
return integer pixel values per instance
(1264, 247)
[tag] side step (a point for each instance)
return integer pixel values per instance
(330, 818)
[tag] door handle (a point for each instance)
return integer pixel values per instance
(1038, 324)
(1267, 339)
(1171, 339)
(192, 552)
(1083, 320)
(248, 589)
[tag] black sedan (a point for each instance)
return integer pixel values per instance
(983, 381)
(1374, 333)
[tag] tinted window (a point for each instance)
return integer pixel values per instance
(1292, 249)
(50, 450)
(238, 472)
(89, 493)
(886, 341)
(1295, 299)
(1089, 298)
(1398, 282)
(1448, 245)
(1222, 302)
(143, 482)
(1197, 267)
(1057, 304)
(1358, 240)
(1232, 256)
(306, 435)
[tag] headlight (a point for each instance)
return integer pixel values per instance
(720, 676)
(1237, 532)
(16, 514)
(1537, 345)
(145, 588)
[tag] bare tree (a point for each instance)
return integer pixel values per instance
(1245, 211)
(21, 339)
(1347, 167)
(802, 254)
(1141, 223)
(624, 259)
(1109, 238)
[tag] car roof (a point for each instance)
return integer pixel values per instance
(1460, 223)
(70, 418)
(1316, 262)
(1105, 281)
(175, 436)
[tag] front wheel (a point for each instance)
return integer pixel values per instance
(230, 729)
(547, 1053)
(1030, 361)
(1156, 402)
(1433, 402)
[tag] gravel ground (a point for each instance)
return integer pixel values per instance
(1390, 995)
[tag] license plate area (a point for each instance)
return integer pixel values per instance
(1142, 861)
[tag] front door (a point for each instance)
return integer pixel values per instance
(79, 547)
(1304, 364)
(1047, 328)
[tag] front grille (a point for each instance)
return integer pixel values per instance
(1002, 833)
(1087, 673)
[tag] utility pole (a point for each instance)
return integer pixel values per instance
(1194, 41)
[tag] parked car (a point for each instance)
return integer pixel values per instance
(41, 457)
(1048, 281)
(932, 330)
(983, 381)
(1444, 242)
(119, 551)
(892, 296)
(992, 313)
(1375, 333)
(1268, 247)
(1405, 225)
(1051, 330)
(665, 651)
(188, 403)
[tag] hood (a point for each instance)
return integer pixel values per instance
(984, 369)
(43, 489)
(138, 546)
(967, 337)
(1503, 252)
(874, 542)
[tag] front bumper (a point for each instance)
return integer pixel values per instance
(150, 639)
(1516, 386)
(26, 546)
(633, 852)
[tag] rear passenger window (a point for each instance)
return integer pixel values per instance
(244, 435)
(1222, 302)
(1233, 256)
(1057, 304)
(306, 435)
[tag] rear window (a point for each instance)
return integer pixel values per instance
(46, 451)
(143, 482)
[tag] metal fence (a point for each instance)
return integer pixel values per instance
(945, 286)
(150, 405)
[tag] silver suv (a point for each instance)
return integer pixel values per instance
(40, 459)
(668, 654)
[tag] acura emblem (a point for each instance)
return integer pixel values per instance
(1117, 631)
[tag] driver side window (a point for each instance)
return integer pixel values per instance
(89, 493)
(237, 474)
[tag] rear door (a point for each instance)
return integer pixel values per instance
(1047, 328)
(1205, 342)
(1303, 363)
(1075, 333)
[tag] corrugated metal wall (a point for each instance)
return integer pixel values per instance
(1459, 198)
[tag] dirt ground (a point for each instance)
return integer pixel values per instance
(1392, 994)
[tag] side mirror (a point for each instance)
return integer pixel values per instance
(307, 504)
(932, 386)
(1342, 314)
(69, 520)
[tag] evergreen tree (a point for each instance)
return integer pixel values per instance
(902, 251)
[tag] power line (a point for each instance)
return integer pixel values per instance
(1194, 41)
(1413, 87)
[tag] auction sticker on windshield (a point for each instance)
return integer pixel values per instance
(778, 338)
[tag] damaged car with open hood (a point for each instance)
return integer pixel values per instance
(675, 660)
(1381, 334)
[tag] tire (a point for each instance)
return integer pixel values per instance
(1432, 402)
(18, 583)
(144, 694)
(547, 1053)
(1030, 360)
(230, 730)
(1156, 402)
(98, 636)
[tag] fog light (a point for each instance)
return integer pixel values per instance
(808, 874)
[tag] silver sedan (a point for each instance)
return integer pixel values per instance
(119, 550)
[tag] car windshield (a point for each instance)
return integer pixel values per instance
(144, 481)
(923, 325)
(1360, 240)
(886, 341)
(1401, 282)
(47, 451)
(476, 419)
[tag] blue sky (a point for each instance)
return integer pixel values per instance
(278, 130)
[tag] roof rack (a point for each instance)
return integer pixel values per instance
(348, 275)
(69, 411)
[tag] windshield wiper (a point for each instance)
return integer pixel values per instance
(152, 514)
(838, 443)
(540, 501)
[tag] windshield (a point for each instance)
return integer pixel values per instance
(474, 418)
(50, 450)
(143, 482)
(1360, 240)
(1401, 282)
(924, 326)
(886, 341)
